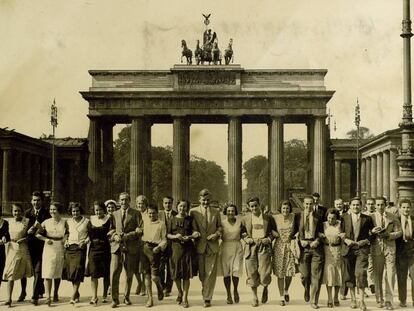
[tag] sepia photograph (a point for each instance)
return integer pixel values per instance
(206, 154)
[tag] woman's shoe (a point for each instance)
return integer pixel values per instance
(336, 303)
(56, 298)
(185, 304)
(330, 304)
(287, 298)
(179, 300)
(93, 301)
(282, 303)
(104, 299)
(236, 297)
(48, 302)
(8, 303)
(72, 302)
(229, 300)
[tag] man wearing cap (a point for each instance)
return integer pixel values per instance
(207, 227)
(258, 249)
(319, 209)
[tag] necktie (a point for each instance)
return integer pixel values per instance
(407, 235)
(307, 227)
(206, 217)
(123, 218)
(382, 221)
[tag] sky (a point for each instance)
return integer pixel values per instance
(47, 48)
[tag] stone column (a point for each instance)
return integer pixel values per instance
(310, 124)
(353, 178)
(27, 170)
(386, 174)
(374, 176)
(276, 172)
(368, 177)
(393, 176)
(43, 173)
(107, 159)
(379, 174)
(139, 163)
(363, 176)
(17, 179)
(181, 158)
(36, 172)
(319, 154)
(235, 157)
(148, 161)
(94, 160)
(338, 190)
(5, 193)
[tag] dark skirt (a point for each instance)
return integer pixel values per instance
(99, 262)
(182, 261)
(75, 259)
(2, 261)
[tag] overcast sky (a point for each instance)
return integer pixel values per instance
(47, 48)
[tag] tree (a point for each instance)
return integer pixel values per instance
(256, 174)
(203, 173)
(364, 133)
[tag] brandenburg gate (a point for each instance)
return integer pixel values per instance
(188, 94)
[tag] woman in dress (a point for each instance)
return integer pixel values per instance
(283, 258)
(18, 263)
(181, 262)
(231, 254)
(76, 248)
(99, 251)
(4, 238)
(53, 233)
(333, 261)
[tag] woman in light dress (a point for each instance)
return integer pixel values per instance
(53, 233)
(283, 259)
(332, 276)
(18, 263)
(76, 248)
(231, 255)
(4, 238)
(99, 251)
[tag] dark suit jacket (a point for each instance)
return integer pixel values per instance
(268, 225)
(321, 212)
(317, 224)
(405, 249)
(366, 226)
(199, 224)
(36, 245)
(133, 220)
(163, 217)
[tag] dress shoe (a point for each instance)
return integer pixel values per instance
(160, 295)
(56, 298)
(21, 297)
(287, 298)
(179, 300)
(353, 304)
(48, 302)
(362, 306)
(138, 290)
(236, 297)
(229, 300)
(185, 304)
(380, 304)
(314, 306)
(330, 304)
(282, 303)
(150, 303)
(265, 295)
(94, 301)
(372, 288)
(255, 302)
(34, 302)
(104, 299)
(336, 303)
(403, 304)
(115, 303)
(388, 305)
(8, 303)
(127, 301)
(207, 303)
(306, 296)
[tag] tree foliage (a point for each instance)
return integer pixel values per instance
(203, 173)
(364, 133)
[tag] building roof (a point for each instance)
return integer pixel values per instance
(67, 141)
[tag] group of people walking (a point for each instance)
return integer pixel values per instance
(343, 249)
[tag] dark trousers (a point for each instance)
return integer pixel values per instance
(129, 262)
(311, 270)
(405, 264)
(38, 287)
(165, 270)
(356, 266)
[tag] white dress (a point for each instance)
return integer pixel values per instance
(53, 254)
(231, 254)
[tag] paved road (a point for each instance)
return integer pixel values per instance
(168, 304)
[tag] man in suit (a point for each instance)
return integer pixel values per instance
(207, 225)
(126, 226)
(319, 209)
(165, 272)
(405, 252)
(369, 210)
(312, 255)
(356, 228)
(258, 250)
(36, 215)
(386, 229)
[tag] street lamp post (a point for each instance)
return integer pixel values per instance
(54, 123)
(357, 123)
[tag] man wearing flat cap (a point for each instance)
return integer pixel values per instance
(207, 226)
